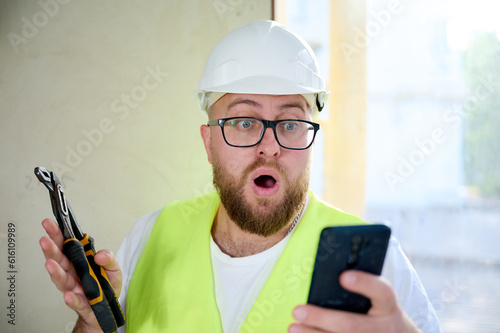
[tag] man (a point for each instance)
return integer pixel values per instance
(240, 260)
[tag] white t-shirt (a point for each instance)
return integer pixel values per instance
(234, 300)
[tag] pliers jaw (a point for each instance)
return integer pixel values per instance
(60, 206)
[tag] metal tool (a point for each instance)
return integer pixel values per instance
(79, 248)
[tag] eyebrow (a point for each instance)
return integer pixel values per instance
(257, 105)
(243, 101)
(292, 105)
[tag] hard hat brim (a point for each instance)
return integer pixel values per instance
(263, 85)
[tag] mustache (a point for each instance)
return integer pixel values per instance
(262, 162)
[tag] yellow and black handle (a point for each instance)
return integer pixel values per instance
(95, 283)
(109, 293)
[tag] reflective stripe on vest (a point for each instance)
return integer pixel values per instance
(171, 289)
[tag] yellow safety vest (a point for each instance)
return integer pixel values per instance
(172, 287)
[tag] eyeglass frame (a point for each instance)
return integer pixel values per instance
(267, 124)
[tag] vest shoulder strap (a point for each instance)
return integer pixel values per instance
(171, 287)
(288, 285)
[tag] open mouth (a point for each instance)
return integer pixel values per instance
(265, 181)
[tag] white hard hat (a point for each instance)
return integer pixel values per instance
(262, 57)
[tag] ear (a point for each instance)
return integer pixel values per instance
(206, 136)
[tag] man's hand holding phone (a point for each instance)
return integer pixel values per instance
(385, 314)
(63, 275)
(347, 293)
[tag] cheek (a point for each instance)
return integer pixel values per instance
(233, 160)
(216, 146)
(297, 163)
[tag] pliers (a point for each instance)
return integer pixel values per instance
(79, 248)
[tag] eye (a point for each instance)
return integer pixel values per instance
(289, 126)
(242, 124)
(246, 123)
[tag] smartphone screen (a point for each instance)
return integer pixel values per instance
(360, 247)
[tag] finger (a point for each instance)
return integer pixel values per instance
(375, 287)
(52, 246)
(77, 302)
(61, 278)
(87, 321)
(51, 251)
(317, 319)
(73, 294)
(54, 232)
(300, 328)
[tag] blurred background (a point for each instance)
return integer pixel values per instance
(103, 94)
(426, 134)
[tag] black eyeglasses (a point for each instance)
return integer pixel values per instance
(248, 131)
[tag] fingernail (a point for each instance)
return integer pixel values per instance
(295, 329)
(104, 253)
(300, 313)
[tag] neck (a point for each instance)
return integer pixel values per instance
(239, 243)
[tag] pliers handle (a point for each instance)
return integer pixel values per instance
(79, 248)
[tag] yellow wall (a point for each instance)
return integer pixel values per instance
(77, 95)
(345, 136)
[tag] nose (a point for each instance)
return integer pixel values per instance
(269, 146)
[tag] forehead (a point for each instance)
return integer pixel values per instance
(266, 104)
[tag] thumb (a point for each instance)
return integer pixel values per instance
(106, 259)
(375, 287)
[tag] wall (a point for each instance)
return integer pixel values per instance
(102, 93)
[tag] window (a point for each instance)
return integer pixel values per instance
(432, 129)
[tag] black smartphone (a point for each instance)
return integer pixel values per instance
(359, 247)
